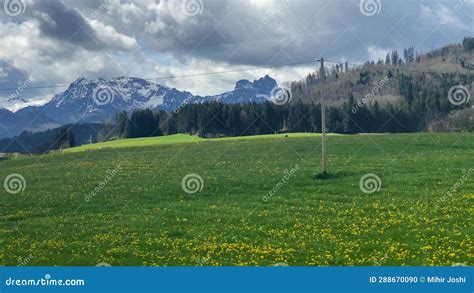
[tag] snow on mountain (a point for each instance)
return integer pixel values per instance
(98, 100)
(14, 103)
(91, 101)
(246, 91)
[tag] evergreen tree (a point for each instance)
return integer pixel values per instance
(394, 57)
(315, 118)
(70, 138)
(233, 120)
(348, 120)
(171, 126)
(121, 122)
(63, 139)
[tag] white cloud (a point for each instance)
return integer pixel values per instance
(376, 53)
(112, 38)
(200, 85)
(49, 61)
(46, 18)
(449, 15)
(127, 13)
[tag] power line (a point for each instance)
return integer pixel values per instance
(228, 71)
(180, 76)
(36, 87)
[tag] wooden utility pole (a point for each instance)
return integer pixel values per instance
(323, 122)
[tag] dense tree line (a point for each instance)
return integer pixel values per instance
(64, 139)
(217, 119)
(143, 123)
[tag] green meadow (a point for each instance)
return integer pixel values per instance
(255, 201)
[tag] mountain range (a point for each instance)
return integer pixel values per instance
(96, 101)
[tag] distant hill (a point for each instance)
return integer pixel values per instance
(31, 118)
(40, 142)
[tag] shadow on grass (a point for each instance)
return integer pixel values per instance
(328, 176)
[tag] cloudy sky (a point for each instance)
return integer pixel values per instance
(55, 42)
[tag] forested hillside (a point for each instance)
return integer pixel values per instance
(397, 77)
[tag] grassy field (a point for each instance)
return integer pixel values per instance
(177, 138)
(137, 142)
(261, 203)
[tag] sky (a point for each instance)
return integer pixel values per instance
(51, 42)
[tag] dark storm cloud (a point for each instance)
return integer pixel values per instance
(59, 41)
(279, 31)
(241, 33)
(11, 76)
(65, 24)
(15, 79)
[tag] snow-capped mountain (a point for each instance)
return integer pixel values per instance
(100, 100)
(14, 103)
(245, 91)
(96, 100)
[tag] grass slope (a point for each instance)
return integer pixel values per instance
(178, 138)
(141, 216)
(137, 142)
